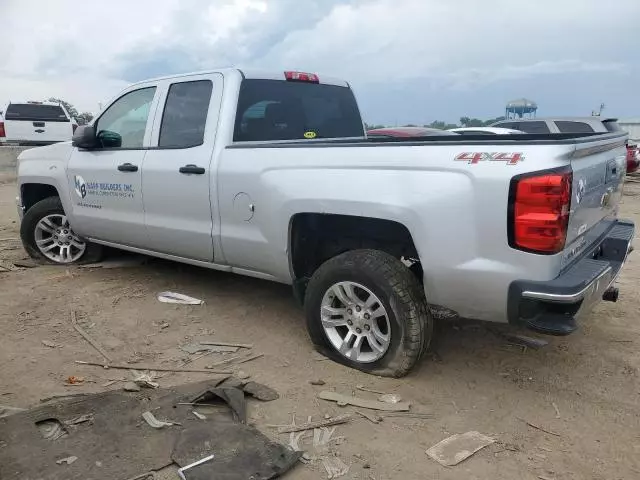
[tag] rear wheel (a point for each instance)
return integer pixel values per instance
(47, 236)
(367, 310)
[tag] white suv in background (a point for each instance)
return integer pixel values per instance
(35, 123)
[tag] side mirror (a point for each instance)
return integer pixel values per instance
(85, 137)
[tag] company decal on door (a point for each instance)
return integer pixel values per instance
(99, 189)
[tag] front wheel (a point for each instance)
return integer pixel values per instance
(47, 236)
(367, 310)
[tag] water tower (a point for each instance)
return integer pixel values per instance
(521, 108)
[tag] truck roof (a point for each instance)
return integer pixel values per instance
(249, 74)
(31, 102)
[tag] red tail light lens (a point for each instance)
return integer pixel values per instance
(539, 212)
(2, 132)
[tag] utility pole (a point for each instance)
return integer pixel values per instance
(598, 113)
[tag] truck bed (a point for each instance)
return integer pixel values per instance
(453, 195)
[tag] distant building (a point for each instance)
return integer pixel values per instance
(632, 127)
(521, 108)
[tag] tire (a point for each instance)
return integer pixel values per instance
(408, 323)
(52, 206)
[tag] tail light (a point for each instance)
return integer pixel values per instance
(2, 132)
(301, 77)
(539, 211)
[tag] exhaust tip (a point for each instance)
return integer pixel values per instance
(611, 294)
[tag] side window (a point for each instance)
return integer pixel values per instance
(574, 127)
(610, 124)
(534, 127)
(512, 125)
(185, 114)
(123, 124)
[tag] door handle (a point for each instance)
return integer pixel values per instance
(192, 169)
(127, 167)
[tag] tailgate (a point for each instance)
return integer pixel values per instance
(598, 175)
(30, 131)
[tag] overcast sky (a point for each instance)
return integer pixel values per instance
(410, 61)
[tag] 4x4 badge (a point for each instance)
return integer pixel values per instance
(511, 158)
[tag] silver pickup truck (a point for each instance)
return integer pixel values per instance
(271, 175)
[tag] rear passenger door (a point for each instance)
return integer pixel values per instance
(177, 180)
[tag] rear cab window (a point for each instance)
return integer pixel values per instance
(36, 112)
(289, 110)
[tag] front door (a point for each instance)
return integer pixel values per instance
(177, 179)
(106, 182)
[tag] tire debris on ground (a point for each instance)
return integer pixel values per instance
(456, 448)
(178, 298)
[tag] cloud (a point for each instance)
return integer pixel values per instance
(476, 77)
(422, 38)
(227, 33)
(399, 49)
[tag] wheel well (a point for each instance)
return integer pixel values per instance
(317, 237)
(32, 193)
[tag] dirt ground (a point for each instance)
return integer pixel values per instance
(584, 388)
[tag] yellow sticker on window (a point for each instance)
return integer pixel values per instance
(310, 134)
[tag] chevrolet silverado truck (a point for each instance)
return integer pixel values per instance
(272, 176)
(35, 123)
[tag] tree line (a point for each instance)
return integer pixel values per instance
(440, 125)
(82, 118)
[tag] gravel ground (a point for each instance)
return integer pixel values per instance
(584, 388)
